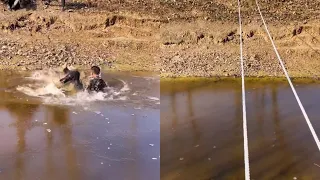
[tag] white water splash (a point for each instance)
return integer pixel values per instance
(49, 89)
(153, 98)
(46, 86)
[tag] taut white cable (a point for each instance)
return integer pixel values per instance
(292, 87)
(244, 114)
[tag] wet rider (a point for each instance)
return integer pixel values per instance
(96, 83)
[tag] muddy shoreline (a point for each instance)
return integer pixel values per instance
(205, 42)
(299, 80)
(117, 37)
(197, 50)
(172, 38)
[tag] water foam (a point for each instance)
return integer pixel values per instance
(46, 86)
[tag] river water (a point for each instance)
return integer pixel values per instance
(46, 134)
(202, 130)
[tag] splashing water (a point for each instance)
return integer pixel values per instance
(46, 86)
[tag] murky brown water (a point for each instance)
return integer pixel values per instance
(98, 140)
(202, 135)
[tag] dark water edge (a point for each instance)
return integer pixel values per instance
(238, 79)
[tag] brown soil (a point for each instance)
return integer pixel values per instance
(118, 35)
(175, 37)
(202, 39)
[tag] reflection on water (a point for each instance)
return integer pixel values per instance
(40, 141)
(202, 135)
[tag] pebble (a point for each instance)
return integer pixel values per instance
(49, 130)
(295, 178)
(107, 118)
(101, 162)
(45, 123)
(181, 159)
(108, 147)
(74, 112)
(151, 145)
(154, 158)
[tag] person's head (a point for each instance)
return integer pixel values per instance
(95, 71)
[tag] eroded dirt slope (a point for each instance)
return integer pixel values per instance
(202, 38)
(175, 37)
(120, 36)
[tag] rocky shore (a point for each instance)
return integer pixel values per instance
(205, 42)
(175, 38)
(116, 36)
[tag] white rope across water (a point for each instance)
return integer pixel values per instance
(292, 87)
(245, 132)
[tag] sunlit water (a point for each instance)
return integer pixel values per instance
(202, 131)
(49, 133)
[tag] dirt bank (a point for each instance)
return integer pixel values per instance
(202, 39)
(118, 35)
(174, 37)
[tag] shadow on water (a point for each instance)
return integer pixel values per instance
(23, 115)
(202, 133)
(57, 118)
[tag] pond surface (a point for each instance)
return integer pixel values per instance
(45, 135)
(202, 133)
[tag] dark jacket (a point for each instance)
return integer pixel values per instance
(96, 84)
